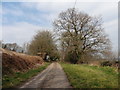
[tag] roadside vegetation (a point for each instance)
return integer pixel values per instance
(86, 76)
(17, 78)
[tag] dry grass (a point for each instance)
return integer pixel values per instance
(17, 62)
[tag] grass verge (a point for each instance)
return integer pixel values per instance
(85, 76)
(9, 81)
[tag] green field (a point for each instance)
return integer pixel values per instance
(16, 79)
(85, 76)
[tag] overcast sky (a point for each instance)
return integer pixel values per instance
(21, 20)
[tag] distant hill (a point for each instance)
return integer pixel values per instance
(18, 62)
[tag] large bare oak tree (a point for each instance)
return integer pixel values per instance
(81, 36)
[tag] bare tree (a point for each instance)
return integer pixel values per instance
(81, 35)
(43, 42)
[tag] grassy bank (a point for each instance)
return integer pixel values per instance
(85, 76)
(16, 79)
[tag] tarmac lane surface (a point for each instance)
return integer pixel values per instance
(52, 77)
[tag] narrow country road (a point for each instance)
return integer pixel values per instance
(52, 77)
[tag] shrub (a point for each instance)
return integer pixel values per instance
(71, 57)
(106, 63)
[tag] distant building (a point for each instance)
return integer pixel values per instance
(44, 56)
(47, 58)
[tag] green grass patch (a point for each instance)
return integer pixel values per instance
(85, 76)
(9, 81)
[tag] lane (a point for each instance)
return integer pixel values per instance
(52, 77)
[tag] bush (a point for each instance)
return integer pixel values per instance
(106, 63)
(71, 57)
